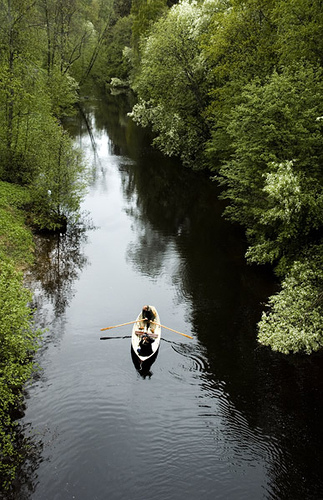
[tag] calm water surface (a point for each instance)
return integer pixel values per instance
(215, 417)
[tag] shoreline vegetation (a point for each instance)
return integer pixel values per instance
(18, 337)
(234, 87)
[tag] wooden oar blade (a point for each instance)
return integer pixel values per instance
(171, 329)
(116, 326)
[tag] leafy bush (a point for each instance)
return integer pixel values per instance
(295, 320)
(18, 342)
(273, 178)
(15, 239)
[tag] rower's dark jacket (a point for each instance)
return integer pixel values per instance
(145, 346)
(148, 314)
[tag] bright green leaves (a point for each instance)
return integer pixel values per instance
(273, 179)
(58, 188)
(15, 239)
(295, 321)
(18, 342)
(171, 83)
(18, 339)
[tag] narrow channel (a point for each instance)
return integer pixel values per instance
(215, 417)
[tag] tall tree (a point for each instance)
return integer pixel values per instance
(145, 13)
(17, 65)
(171, 83)
(299, 29)
(278, 201)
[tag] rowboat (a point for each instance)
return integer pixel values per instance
(137, 334)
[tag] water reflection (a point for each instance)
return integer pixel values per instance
(256, 414)
(59, 259)
(173, 212)
(30, 455)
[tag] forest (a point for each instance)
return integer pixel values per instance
(230, 87)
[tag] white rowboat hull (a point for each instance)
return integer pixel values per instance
(137, 334)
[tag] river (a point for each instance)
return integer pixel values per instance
(216, 417)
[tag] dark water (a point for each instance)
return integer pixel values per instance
(215, 417)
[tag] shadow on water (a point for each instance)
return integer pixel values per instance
(143, 368)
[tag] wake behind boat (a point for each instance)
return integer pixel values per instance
(145, 341)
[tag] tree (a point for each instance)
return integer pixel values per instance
(240, 44)
(294, 321)
(145, 13)
(276, 133)
(171, 83)
(299, 30)
(58, 187)
(17, 71)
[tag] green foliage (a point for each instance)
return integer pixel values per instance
(171, 83)
(294, 213)
(299, 30)
(278, 200)
(18, 342)
(145, 13)
(34, 151)
(63, 92)
(18, 339)
(59, 186)
(116, 65)
(294, 322)
(239, 45)
(15, 239)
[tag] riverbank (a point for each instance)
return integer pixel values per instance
(18, 338)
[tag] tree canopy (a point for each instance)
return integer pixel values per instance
(235, 86)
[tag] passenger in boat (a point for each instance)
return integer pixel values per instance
(145, 348)
(148, 314)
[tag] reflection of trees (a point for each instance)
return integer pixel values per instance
(174, 208)
(106, 114)
(280, 400)
(59, 260)
(26, 474)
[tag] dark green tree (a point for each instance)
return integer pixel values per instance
(145, 13)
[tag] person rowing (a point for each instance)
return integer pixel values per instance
(148, 314)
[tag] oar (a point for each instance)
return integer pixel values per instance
(116, 326)
(171, 329)
(114, 337)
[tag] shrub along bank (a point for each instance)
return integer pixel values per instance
(18, 337)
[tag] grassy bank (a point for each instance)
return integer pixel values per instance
(18, 339)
